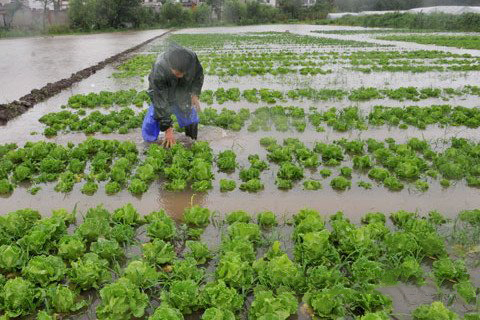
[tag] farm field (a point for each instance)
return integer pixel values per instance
(467, 42)
(336, 176)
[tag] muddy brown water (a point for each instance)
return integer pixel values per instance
(354, 203)
(29, 63)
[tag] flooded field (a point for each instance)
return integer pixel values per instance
(352, 159)
(30, 63)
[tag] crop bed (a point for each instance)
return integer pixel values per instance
(149, 265)
(304, 198)
(465, 42)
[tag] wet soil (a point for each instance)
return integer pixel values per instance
(13, 109)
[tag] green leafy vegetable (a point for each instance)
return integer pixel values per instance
(340, 183)
(227, 185)
(19, 297)
(198, 250)
(434, 311)
(182, 295)
(61, 299)
(44, 269)
(267, 219)
(141, 274)
(219, 295)
(121, 300)
(279, 306)
(196, 216)
(217, 314)
(158, 252)
(89, 271)
(238, 216)
(165, 312)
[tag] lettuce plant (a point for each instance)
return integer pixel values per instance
(434, 311)
(267, 304)
(215, 313)
(44, 269)
(12, 257)
(121, 300)
(252, 185)
(234, 271)
(166, 312)
(63, 300)
(182, 295)
(71, 247)
(127, 215)
(217, 294)
(158, 252)
(89, 271)
(141, 274)
(19, 297)
(238, 216)
(196, 216)
(198, 250)
(107, 249)
(226, 161)
(340, 183)
(161, 226)
(267, 219)
(227, 185)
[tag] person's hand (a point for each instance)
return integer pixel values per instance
(169, 140)
(196, 103)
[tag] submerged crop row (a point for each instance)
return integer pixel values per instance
(256, 95)
(224, 41)
(255, 63)
(278, 118)
(150, 266)
(222, 95)
(119, 165)
(459, 41)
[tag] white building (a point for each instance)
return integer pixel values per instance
(155, 4)
(38, 5)
(273, 3)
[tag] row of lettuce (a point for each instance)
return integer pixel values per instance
(47, 264)
(287, 61)
(119, 165)
(221, 95)
(279, 118)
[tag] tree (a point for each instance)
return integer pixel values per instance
(174, 14)
(202, 13)
(10, 10)
(291, 8)
(101, 14)
(118, 12)
(216, 5)
(235, 11)
(45, 4)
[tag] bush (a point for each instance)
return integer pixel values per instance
(235, 11)
(202, 14)
(175, 15)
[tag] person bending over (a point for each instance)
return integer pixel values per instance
(175, 84)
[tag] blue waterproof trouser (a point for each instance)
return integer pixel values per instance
(151, 128)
